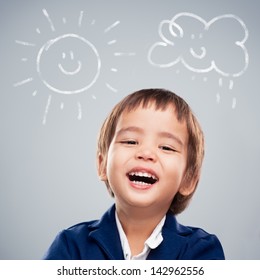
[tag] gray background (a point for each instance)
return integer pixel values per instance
(48, 178)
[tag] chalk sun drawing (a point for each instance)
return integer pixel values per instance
(63, 72)
(202, 46)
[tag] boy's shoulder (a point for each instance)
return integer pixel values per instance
(107, 221)
(82, 226)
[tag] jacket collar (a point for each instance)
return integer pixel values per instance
(105, 233)
(173, 240)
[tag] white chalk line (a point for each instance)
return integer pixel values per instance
(111, 88)
(23, 82)
(111, 26)
(79, 111)
(124, 54)
(234, 103)
(25, 43)
(46, 110)
(111, 42)
(80, 18)
(49, 19)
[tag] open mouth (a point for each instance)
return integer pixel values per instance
(142, 178)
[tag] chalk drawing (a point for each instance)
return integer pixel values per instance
(69, 63)
(25, 43)
(124, 54)
(23, 82)
(80, 18)
(111, 42)
(111, 88)
(43, 67)
(49, 19)
(189, 39)
(47, 109)
(79, 111)
(111, 26)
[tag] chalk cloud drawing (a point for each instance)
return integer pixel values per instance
(202, 46)
(59, 67)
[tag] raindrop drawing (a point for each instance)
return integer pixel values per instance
(201, 46)
(68, 64)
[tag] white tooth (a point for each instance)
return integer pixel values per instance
(140, 183)
(143, 174)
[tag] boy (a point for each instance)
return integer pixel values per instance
(150, 152)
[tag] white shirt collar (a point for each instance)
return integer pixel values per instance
(153, 241)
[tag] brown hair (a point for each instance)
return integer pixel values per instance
(161, 98)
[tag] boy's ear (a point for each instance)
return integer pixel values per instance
(101, 167)
(188, 188)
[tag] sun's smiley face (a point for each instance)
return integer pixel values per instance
(78, 65)
(68, 64)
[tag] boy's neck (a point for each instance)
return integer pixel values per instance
(138, 224)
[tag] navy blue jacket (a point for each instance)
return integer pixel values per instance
(99, 240)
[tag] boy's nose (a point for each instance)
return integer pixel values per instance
(146, 155)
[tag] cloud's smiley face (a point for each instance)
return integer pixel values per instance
(68, 64)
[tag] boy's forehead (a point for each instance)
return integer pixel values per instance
(166, 115)
(151, 105)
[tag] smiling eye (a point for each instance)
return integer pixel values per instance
(129, 142)
(167, 148)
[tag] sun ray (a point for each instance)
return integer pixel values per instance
(111, 42)
(80, 18)
(34, 93)
(24, 59)
(231, 84)
(64, 20)
(25, 43)
(93, 22)
(111, 26)
(114, 70)
(62, 106)
(46, 110)
(79, 111)
(124, 54)
(94, 97)
(111, 88)
(38, 30)
(218, 98)
(23, 82)
(234, 103)
(49, 19)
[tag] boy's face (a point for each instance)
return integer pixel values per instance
(147, 158)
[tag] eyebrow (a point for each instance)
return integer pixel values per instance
(163, 134)
(169, 135)
(129, 129)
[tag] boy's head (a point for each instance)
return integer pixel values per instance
(161, 100)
